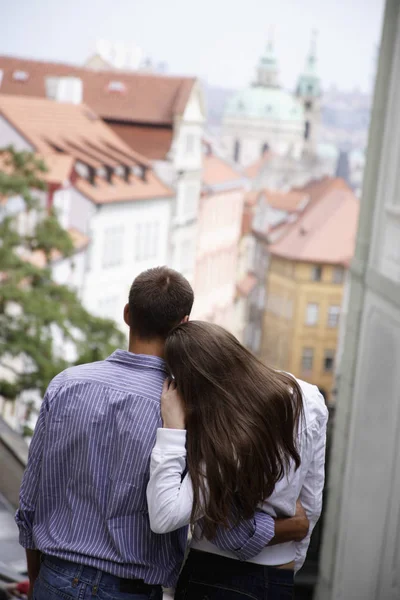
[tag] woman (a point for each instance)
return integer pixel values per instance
(255, 438)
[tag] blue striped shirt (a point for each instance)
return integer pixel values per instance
(83, 495)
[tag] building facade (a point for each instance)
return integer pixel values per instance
(309, 251)
(361, 543)
(219, 232)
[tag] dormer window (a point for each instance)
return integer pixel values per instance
(116, 86)
(20, 76)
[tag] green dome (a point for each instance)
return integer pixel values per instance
(265, 103)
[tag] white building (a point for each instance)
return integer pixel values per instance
(159, 116)
(361, 543)
(108, 194)
(264, 116)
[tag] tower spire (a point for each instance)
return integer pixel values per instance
(311, 61)
(267, 72)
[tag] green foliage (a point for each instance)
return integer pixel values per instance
(32, 305)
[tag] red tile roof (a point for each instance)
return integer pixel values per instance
(325, 232)
(80, 134)
(217, 170)
(146, 98)
(286, 201)
(153, 142)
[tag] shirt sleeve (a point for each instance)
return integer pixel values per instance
(312, 489)
(248, 538)
(169, 493)
(170, 500)
(30, 482)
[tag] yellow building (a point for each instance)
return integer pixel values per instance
(304, 286)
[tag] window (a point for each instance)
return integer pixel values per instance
(189, 143)
(329, 361)
(146, 240)
(307, 360)
(20, 76)
(316, 273)
(312, 314)
(308, 105)
(338, 275)
(264, 148)
(191, 200)
(108, 307)
(307, 128)
(236, 151)
(187, 258)
(116, 86)
(333, 316)
(113, 246)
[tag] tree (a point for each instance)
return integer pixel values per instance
(35, 310)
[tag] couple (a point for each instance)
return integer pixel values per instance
(255, 445)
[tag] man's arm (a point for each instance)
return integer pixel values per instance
(29, 492)
(248, 538)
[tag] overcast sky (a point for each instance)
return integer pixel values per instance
(218, 40)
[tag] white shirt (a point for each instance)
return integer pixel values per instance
(170, 499)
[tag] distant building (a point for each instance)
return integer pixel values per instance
(219, 233)
(264, 116)
(303, 241)
(158, 116)
(107, 195)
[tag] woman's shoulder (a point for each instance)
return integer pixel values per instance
(313, 402)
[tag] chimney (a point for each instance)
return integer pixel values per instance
(65, 89)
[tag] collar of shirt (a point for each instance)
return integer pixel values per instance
(144, 361)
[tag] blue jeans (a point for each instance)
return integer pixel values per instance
(60, 579)
(210, 577)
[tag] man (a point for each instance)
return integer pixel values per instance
(83, 514)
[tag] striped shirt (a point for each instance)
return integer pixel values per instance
(83, 495)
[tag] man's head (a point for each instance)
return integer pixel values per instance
(159, 299)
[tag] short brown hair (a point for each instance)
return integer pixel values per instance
(159, 299)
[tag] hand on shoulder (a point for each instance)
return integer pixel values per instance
(172, 406)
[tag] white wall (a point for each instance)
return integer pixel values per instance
(282, 137)
(115, 234)
(187, 159)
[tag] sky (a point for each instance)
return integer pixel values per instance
(217, 40)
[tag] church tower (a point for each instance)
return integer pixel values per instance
(309, 93)
(267, 70)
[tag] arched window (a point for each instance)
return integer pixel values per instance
(236, 151)
(264, 148)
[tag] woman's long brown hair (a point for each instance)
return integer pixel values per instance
(242, 421)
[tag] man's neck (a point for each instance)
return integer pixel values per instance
(151, 347)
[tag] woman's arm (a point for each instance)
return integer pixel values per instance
(169, 491)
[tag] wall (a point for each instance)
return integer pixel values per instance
(254, 133)
(186, 157)
(285, 333)
(219, 231)
(106, 288)
(361, 544)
